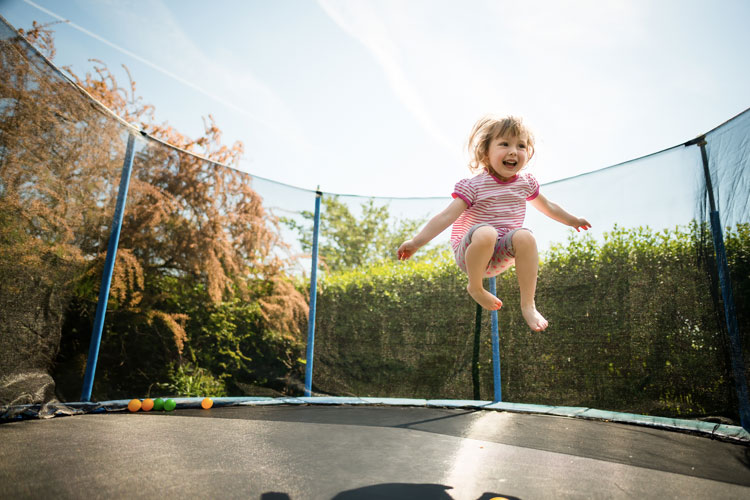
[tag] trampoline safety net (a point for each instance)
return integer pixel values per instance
(210, 289)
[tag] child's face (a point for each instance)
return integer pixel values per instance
(508, 155)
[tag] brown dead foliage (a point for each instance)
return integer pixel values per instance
(61, 154)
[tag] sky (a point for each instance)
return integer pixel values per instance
(377, 97)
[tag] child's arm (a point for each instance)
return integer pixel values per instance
(556, 212)
(436, 226)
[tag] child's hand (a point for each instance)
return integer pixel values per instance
(406, 250)
(581, 223)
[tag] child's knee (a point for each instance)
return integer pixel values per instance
(523, 238)
(485, 235)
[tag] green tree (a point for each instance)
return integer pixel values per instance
(347, 241)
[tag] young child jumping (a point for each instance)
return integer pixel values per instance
(487, 214)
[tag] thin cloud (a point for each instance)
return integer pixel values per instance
(367, 26)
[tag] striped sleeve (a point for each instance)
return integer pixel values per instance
(465, 191)
(533, 187)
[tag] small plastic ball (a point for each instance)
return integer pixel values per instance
(207, 403)
(134, 405)
(169, 405)
(158, 404)
(147, 405)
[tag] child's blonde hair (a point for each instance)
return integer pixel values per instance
(488, 128)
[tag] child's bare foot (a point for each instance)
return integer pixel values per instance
(535, 320)
(485, 298)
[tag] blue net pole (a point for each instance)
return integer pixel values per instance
(495, 348)
(109, 264)
(313, 296)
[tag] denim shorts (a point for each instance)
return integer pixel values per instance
(503, 257)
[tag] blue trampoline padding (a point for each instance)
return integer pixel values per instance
(730, 432)
(395, 401)
(458, 403)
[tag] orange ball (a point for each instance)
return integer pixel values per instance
(134, 405)
(148, 404)
(207, 403)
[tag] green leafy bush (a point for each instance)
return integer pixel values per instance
(192, 381)
(634, 326)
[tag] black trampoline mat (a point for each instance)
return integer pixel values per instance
(299, 451)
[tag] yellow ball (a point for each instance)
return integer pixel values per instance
(207, 403)
(148, 404)
(134, 405)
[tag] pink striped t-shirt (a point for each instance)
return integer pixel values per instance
(492, 201)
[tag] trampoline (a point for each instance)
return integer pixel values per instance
(673, 349)
(297, 448)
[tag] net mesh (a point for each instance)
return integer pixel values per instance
(56, 150)
(210, 283)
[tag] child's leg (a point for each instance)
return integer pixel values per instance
(527, 267)
(478, 255)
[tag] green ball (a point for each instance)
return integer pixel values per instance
(158, 404)
(169, 405)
